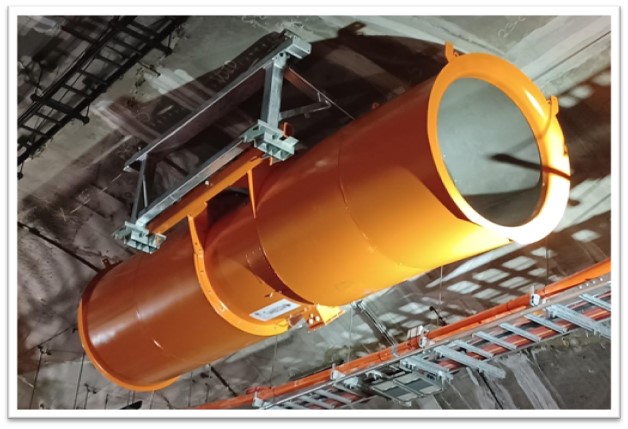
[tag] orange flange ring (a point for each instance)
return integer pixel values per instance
(540, 114)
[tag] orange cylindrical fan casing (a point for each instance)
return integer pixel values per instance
(365, 209)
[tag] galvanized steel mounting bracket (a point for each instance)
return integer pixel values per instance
(265, 135)
(270, 140)
(139, 238)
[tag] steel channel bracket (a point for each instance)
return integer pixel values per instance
(264, 135)
(260, 403)
(415, 362)
(471, 348)
(578, 319)
(237, 89)
(333, 396)
(467, 360)
(270, 140)
(521, 332)
(596, 301)
(547, 323)
(493, 339)
(317, 402)
(139, 238)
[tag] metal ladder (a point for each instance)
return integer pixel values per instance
(429, 369)
(121, 45)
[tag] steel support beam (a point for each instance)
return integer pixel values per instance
(596, 301)
(233, 94)
(467, 360)
(272, 91)
(547, 323)
(332, 396)
(566, 313)
(416, 362)
(521, 332)
(471, 348)
(493, 339)
(316, 402)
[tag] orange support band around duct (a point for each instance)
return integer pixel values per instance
(461, 164)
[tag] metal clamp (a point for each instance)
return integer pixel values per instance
(417, 363)
(535, 300)
(393, 350)
(260, 403)
(423, 340)
(270, 140)
(139, 237)
(335, 374)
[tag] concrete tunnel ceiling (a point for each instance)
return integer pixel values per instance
(74, 195)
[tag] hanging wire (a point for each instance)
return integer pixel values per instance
(272, 365)
(190, 390)
(547, 261)
(78, 383)
(350, 333)
(40, 345)
(41, 354)
(440, 297)
(150, 403)
(86, 396)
